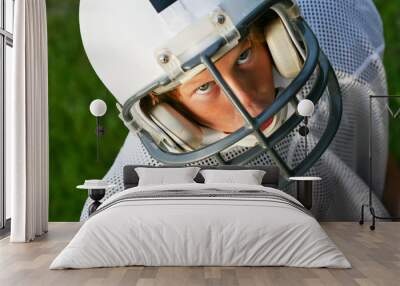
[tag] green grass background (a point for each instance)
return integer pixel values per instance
(390, 13)
(73, 85)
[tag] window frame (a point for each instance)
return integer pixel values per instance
(6, 39)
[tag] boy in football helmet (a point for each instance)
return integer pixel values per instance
(217, 82)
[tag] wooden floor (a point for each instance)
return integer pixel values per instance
(375, 257)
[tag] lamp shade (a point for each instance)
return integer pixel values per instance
(98, 107)
(305, 108)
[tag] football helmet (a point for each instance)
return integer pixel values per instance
(149, 47)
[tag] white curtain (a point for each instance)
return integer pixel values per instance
(27, 124)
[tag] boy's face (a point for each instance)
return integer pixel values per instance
(248, 70)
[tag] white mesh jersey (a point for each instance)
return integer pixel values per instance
(351, 35)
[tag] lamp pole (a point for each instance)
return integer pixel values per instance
(305, 108)
(98, 108)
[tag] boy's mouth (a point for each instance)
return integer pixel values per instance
(265, 124)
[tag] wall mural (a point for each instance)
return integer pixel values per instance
(196, 88)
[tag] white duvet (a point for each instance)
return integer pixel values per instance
(207, 230)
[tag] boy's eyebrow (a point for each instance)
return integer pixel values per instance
(200, 80)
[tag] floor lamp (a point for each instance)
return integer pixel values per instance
(370, 204)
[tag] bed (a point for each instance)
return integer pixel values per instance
(201, 224)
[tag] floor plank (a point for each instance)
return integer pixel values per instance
(374, 255)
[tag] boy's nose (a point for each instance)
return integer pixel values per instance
(246, 94)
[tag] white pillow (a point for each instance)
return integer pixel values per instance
(248, 177)
(165, 176)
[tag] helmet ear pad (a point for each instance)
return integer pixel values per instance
(284, 53)
(180, 129)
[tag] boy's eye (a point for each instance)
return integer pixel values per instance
(205, 88)
(244, 57)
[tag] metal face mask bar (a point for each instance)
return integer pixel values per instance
(325, 78)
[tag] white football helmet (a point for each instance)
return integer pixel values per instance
(142, 47)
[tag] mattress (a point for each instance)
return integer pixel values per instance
(201, 225)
